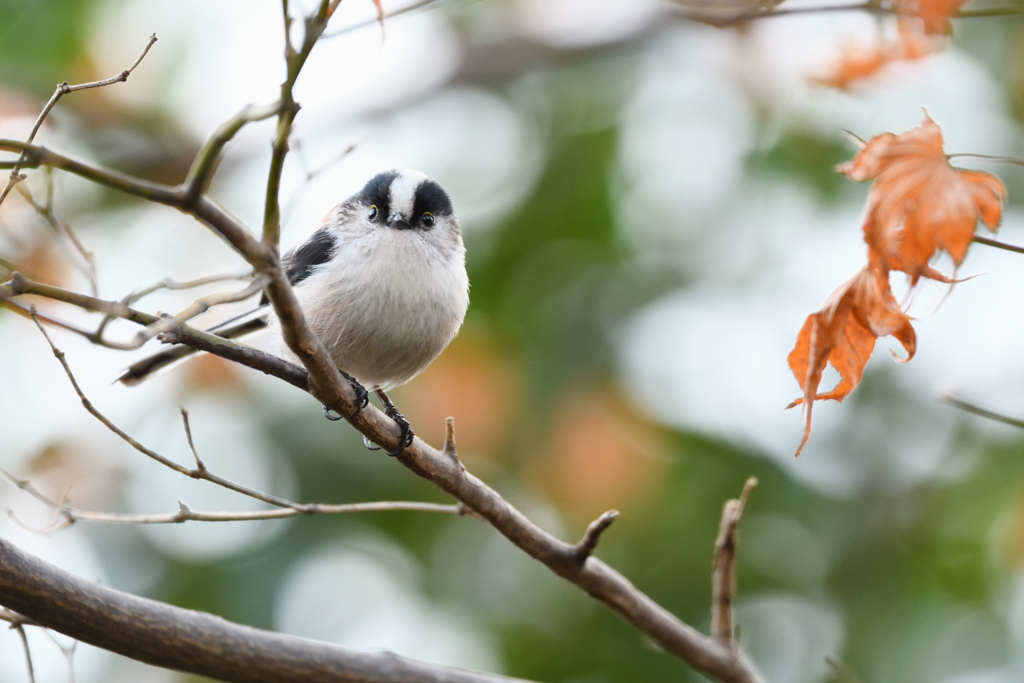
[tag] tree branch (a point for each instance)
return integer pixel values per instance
(447, 473)
(195, 642)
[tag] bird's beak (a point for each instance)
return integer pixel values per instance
(398, 221)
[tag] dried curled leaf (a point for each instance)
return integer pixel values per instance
(919, 203)
(843, 333)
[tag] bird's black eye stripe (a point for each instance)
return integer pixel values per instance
(376, 192)
(431, 198)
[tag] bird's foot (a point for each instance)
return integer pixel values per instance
(362, 400)
(391, 411)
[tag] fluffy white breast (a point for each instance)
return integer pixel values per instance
(389, 301)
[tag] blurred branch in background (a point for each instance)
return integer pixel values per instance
(84, 258)
(974, 409)
(722, 15)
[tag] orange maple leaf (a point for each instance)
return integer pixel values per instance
(919, 203)
(843, 333)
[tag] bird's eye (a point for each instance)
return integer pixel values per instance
(373, 211)
(428, 219)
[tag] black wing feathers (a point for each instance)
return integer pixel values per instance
(318, 249)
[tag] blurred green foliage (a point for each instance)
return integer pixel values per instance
(41, 41)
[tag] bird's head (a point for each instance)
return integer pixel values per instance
(406, 200)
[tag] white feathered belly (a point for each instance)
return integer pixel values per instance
(385, 313)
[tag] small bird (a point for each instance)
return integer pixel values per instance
(382, 284)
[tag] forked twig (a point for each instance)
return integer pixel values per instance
(167, 283)
(64, 89)
(196, 473)
(197, 307)
(61, 229)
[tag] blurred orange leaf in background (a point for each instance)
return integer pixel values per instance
(934, 14)
(857, 62)
(473, 383)
(600, 455)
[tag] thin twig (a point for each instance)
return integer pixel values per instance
(205, 162)
(294, 61)
(24, 312)
(197, 473)
(203, 341)
(69, 655)
(28, 654)
(186, 514)
(13, 618)
(588, 544)
(197, 307)
(450, 448)
(289, 207)
(168, 283)
(965, 406)
(376, 21)
(71, 515)
(998, 245)
(723, 576)
(998, 158)
(62, 90)
(62, 230)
